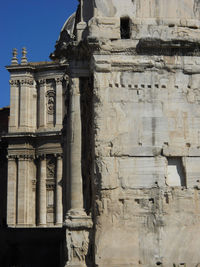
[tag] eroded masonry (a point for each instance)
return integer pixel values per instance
(104, 140)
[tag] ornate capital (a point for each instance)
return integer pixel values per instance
(25, 157)
(42, 82)
(58, 155)
(11, 157)
(59, 81)
(14, 82)
(41, 157)
(26, 82)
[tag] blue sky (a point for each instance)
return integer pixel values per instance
(34, 24)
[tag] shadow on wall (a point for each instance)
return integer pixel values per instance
(31, 247)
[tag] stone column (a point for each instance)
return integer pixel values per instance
(42, 192)
(76, 192)
(14, 105)
(77, 222)
(59, 206)
(32, 187)
(22, 192)
(24, 103)
(59, 103)
(11, 191)
(42, 104)
(33, 106)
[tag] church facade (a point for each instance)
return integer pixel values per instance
(103, 142)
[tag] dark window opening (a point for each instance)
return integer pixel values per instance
(125, 28)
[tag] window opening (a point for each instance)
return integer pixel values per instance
(125, 28)
(175, 172)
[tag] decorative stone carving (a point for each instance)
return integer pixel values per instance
(14, 60)
(24, 58)
(78, 243)
(14, 82)
(11, 157)
(50, 102)
(51, 167)
(26, 82)
(34, 182)
(42, 81)
(59, 80)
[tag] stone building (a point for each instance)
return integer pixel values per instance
(119, 185)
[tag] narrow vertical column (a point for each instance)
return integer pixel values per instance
(78, 224)
(42, 103)
(59, 102)
(76, 192)
(24, 103)
(12, 187)
(31, 191)
(59, 208)
(42, 192)
(14, 105)
(32, 105)
(22, 191)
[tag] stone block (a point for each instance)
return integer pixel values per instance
(145, 172)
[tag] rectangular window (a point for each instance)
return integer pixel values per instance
(125, 28)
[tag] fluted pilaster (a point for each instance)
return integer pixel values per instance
(14, 105)
(59, 208)
(42, 192)
(42, 104)
(59, 102)
(12, 187)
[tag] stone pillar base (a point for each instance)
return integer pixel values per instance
(78, 227)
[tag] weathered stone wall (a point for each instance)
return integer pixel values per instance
(186, 9)
(147, 160)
